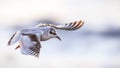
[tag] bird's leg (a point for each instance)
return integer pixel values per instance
(17, 47)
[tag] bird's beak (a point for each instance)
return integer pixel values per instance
(58, 38)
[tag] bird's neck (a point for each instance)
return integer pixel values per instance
(44, 37)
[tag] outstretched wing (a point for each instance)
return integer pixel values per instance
(30, 45)
(15, 37)
(70, 26)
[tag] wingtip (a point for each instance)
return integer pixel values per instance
(37, 56)
(82, 22)
(78, 24)
(8, 44)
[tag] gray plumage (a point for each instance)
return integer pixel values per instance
(30, 38)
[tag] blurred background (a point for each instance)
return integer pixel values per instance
(95, 45)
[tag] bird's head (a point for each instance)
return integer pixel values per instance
(53, 34)
(49, 32)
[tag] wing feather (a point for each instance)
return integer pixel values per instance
(30, 45)
(15, 37)
(69, 26)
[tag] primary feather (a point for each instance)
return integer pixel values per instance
(30, 45)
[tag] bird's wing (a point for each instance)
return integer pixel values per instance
(69, 26)
(14, 38)
(30, 45)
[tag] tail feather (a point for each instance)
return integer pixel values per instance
(15, 37)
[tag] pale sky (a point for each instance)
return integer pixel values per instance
(94, 12)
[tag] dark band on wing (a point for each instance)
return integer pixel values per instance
(77, 25)
(73, 26)
(11, 38)
(37, 45)
(36, 48)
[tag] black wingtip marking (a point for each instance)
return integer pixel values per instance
(76, 25)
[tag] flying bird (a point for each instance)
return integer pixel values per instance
(30, 38)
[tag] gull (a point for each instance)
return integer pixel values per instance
(30, 38)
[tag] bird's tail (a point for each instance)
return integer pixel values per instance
(15, 37)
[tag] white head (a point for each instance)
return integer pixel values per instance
(49, 32)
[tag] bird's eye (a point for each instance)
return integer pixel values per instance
(52, 32)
